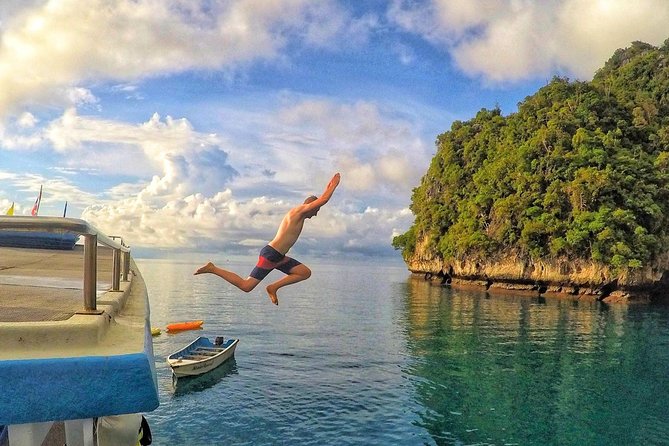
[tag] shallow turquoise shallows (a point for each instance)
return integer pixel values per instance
(360, 354)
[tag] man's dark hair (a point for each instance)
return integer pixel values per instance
(310, 198)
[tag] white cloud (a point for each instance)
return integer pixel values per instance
(511, 40)
(182, 187)
(49, 48)
(78, 95)
(19, 142)
(373, 148)
(20, 134)
(223, 222)
(180, 159)
(305, 142)
(27, 120)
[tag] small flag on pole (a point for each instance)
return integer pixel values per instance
(10, 211)
(35, 208)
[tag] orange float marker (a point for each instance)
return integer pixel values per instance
(189, 325)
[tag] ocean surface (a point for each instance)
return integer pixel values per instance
(362, 354)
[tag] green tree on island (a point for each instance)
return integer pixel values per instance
(580, 171)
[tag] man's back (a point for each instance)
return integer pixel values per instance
(293, 222)
(289, 230)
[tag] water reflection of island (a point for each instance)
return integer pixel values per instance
(192, 384)
(535, 371)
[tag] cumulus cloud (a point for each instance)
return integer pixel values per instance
(305, 142)
(179, 159)
(49, 48)
(194, 221)
(27, 120)
(510, 40)
(223, 222)
(184, 188)
(376, 148)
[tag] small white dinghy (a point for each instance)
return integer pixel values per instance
(201, 356)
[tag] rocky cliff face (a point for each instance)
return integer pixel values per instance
(580, 171)
(510, 272)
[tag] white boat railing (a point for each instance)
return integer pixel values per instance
(92, 236)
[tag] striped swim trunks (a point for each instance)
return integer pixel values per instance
(270, 259)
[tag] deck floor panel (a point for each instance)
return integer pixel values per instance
(40, 285)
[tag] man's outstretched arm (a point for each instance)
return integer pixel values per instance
(325, 197)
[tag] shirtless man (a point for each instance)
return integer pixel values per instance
(273, 256)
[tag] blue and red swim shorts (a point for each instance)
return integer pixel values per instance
(270, 259)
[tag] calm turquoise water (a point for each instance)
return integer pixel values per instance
(360, 354)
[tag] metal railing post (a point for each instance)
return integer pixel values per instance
(90, 272)
(126, 265)
(116, 269)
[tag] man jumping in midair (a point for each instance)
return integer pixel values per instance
(273, 256)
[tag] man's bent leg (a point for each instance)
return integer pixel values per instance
(296, 274)
(245, 285)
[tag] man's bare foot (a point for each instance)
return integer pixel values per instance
(272, 295)
(209, 267)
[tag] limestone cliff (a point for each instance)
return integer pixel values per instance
(509, 272)
(569, 194)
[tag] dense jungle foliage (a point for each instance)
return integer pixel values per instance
(580, 171)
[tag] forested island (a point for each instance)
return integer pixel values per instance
(570, 194)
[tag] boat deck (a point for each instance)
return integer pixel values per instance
(75, 342)
(81, 364)
(39, 285)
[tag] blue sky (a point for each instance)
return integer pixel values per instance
(195, 124)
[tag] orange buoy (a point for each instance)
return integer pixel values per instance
(179, 326)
